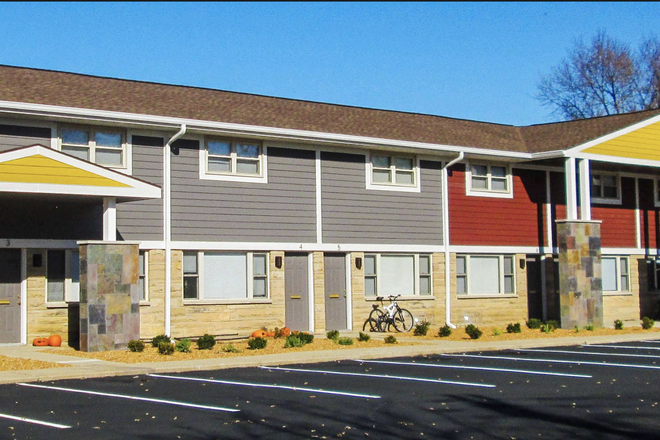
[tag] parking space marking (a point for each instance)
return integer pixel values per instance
(625, 347)
(383, 376)
(265, 385)
(554, 361)
(123, 396)
(465, 367)
(586, 353)
(653, 341)
(34, 421)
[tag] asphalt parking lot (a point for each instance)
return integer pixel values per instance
(607, 391)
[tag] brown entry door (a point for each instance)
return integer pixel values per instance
(534, 292)
(296, 287)
(335, 292)
(10, 296)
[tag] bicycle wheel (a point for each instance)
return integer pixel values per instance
(375, 321)
(403, 320)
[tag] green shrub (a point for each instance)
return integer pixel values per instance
(547, 328)
(136, 346)
(257, 343)
(422, 328)
(345, 341)
(473, 331)
(293, 341)
(513, 328)
(160, 338)
(229, 348)
(363, 337)
(553, 323)
(497, 332)
(618, 324)
(333, 335)
(444, 331)
(577, 329)
(165, 348)
(390, 340)
(307, 338)
(183, 345)
(647, 323)
(206, 342)
(534, 323)
(589, 327)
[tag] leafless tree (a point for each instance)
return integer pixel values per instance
(603, 78)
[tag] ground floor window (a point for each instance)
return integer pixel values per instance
(485, 274)
(63, 276)
(225, 275)
(143, 279)
(394, 274)
(616, 274)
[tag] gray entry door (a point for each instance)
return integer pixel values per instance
(10, 296)
(296, 287)
(335, 292)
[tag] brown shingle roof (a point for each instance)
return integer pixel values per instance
(91, 92)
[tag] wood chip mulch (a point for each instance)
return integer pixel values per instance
(17, 364)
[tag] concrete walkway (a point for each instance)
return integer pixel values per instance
(81, 368)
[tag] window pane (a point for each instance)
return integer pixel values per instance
(397, 275)
(109, 157)
(259, 290)
(460, 284)
(141, 288)
(610, 192)
(219, 165)
(190, 262)
(485, 275)
(56, 275)
(80, 153)
(624, 284)
(225, 275)
(460, 265)
(609, 181)
(108, 139)
(425, 286)
(190, 288)
(479, 183)
(405, 178)
(259, 264)
(247, 166)
(141, 271)
(403, 163)
(424, 264)
(382, 176)
(74, 273)
(498, 171)
(370, 265)
(79, 137)
(479, 170)
(508, 265)
(508, 284)
(219, 148)
(498, 185)
(623, 263)
(380, 161)
(609, 274)
(595, 191)
(247, 150)
(370, 286)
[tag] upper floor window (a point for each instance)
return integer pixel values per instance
(605, 188)
(228, 157)
(489, 180)
(103, 147)
(396, 173)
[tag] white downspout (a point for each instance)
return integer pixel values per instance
(445, 236)
(167, 224)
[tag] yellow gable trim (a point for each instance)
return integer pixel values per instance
(643, 143)
(41, 169)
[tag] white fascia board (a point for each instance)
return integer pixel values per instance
(303, 247)
(616, 159)
(497, 249)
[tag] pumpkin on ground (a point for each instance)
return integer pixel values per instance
(40, 342)
(55, 340)
(259, 334)
(270, 334)
(286, 331)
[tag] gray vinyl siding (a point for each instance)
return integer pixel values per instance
(353, 214)
(282, 210)
(143, 219)
(17, 136)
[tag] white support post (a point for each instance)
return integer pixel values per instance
(109, 219)
(585, 190)
(571, 189)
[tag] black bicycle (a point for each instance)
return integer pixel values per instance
(382, 318)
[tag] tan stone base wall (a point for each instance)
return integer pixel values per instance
(152, 311)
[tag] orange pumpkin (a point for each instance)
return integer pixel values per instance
(270, 334)
(55, 340)
(286, 331)
(259, 334)
(40, 342)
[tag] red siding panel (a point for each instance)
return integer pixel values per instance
(650, 222)
(618, 227)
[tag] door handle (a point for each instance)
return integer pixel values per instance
(4, 302)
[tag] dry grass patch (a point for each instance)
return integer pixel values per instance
(16, 364)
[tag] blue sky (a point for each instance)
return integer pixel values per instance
(479, 61)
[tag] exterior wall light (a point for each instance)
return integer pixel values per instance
(278, 262)
(358, 263)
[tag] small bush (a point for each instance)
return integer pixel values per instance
(363, 337)
(577, 329)
(206, 342)
(345, 341)
(165, 348)
(136, 346)
(390, 340)
(553, 323)
(422, 328)
(293, 341)
(547, 328)
(647, 323)
(513, 328)
(473, 331)
(534, 323)
(183, 345)
(444, 331)
(229, 348)
(160, 338)
(257, 343)
(618, 324)
(278, 333)
(307, 338)
(497, 332)
(589, 327)
(333, 335)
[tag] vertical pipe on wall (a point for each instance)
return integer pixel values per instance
(585, 194)
(445, 236)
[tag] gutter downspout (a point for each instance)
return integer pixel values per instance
(445, 235)
(167, 224)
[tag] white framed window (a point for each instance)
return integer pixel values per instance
(488, 180)
(219, 276)
(105, 147)
(63, 276)
(392, 172)
(616, 274)
(237, 160)
(605, 188)
(143, 275)
(398, 274)
(485, 275)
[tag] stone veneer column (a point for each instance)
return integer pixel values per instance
(580, 273)
(109, 295)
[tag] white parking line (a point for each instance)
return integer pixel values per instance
(626, 347)
(465, 367)
(383, 376)
(34, 421)
(122, 396)
(586, 353)
(653, 341)
(264, 385)
(554, 361)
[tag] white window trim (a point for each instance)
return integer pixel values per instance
(371, 185)
(467, 275)
(618, 290)
(607, 200)
(200, 300)
(146, 277)
(204, 174)
(417, 286)
(67, 280)
(127, 162)
(655, 262)
(488, 192)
